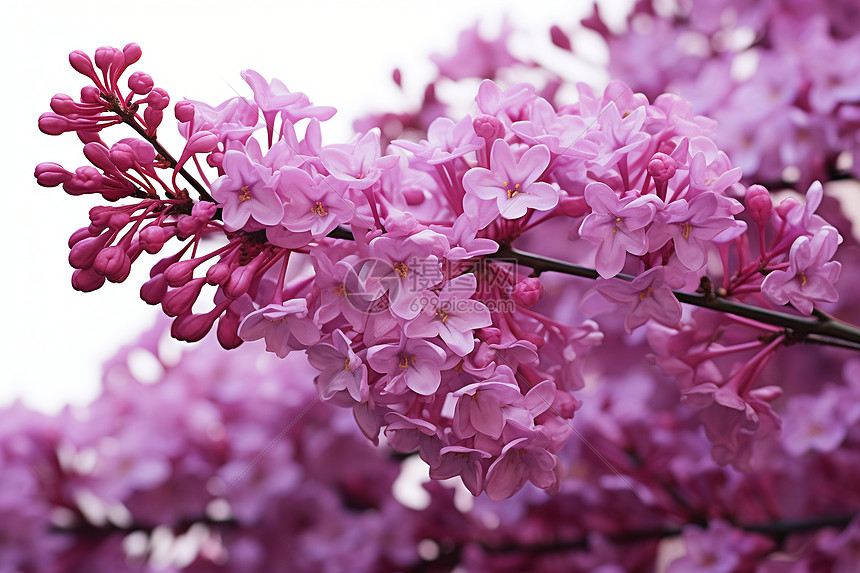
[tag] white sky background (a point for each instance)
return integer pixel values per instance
(339, 53)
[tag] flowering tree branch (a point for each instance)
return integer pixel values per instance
(824, 330)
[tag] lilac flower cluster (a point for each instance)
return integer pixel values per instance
(780, 77)
(222, 462)
(389, 267)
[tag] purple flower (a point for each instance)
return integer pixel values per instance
(285, 327)
(511, 182)
(341, 370)
(810, 276)
(359, 163)
(692, 226)
(411, 364)
(247, 191)
(452, 315)
(616, 225)
(649, 296)
(445, 141)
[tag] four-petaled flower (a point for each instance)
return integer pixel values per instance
(512, 183)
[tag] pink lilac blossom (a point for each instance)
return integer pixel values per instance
(399, 264)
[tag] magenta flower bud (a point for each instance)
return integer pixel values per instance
(786, 205)
(758, 204)
(122, 156)
(153, 237)
(488, 127)
(184, 111)
(100, 217)
(63, 104)
(204, 210)
(397, 76)
(51, 174)
(83, 65)
(89, 137)
(560, 39)
(118, 220)
(215, 159)
(140, 83)
(193, 327)
(153, 291)
(180, 300)
(527, 292)
(52, 124)
(228, 330)
(91, 94)
(113, 263)
(186, 225)
(158, 99)
(180, 273)
(662, 167)
(84, 252)
(99, 155)
(79, 235)
(218, 273)
(105, 56)
(153, 118)
(573, 206)
(86, 280)
(240, 279)
(131, 53)
(413, 197)
(484, 356)
(564, 405)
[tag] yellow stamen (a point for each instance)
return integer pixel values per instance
(346, 363)
(318, 209)
(405, 361)
(442, 314)
(687, 228)
(401, 269)
(803, 279)
(648, 292)
(615, 228)
(339, 290)
(245, 193)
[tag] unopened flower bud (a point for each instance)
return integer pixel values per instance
(662, 167)
(82, 63)
(87, 280)
(218, 273)
(152, 238)
(180, 300)
(157, 99)
(758, 204)
(193, 327)
(559, 38)
(180, 273)
(113, 263)
(140, 83)
(786, 205)
(52, 124)
(184, 111)
(488, 127)
(85, 251)
(527, 292)
(131, 53)
(153, 291)
(573, 206)
(204, 210)
(51, 174)
(228, 330)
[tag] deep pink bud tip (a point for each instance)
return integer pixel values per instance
(758, 204)
(662, 167)
(488, 127)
